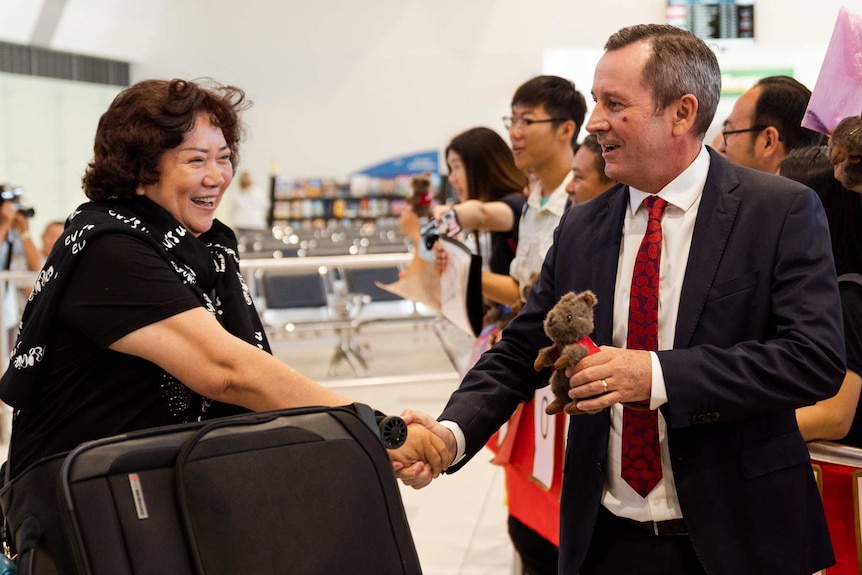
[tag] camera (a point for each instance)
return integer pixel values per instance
(429, 233)
(13, 194)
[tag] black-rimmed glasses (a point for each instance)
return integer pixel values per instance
(726, 133)
(521, 123)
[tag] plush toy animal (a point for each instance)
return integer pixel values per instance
(568, 322)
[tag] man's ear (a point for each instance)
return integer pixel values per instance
(771, 141)
(566, 131)
(684, 114)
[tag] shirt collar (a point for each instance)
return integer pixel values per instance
(684, 190)
(556, 202)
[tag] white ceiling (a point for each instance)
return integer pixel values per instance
(116, 29)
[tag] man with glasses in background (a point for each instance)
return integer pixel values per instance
(547, 114)
(766, 123)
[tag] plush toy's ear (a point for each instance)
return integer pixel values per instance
(589, 298)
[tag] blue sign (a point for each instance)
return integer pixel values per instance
(409, 165)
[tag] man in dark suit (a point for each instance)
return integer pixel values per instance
(748, 328)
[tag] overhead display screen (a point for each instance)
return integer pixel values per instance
(719, 20)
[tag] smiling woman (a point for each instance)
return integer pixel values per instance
(140, 317)
(194, 176)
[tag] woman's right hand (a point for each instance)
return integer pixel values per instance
(409, 224)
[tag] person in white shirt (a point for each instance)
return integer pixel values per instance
(249, 206)
(547, 115)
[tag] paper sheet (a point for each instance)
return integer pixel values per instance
(419, 283)
(453, 284)
(545, 435)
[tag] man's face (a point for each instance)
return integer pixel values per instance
(740, 147)
(586, 182)
(535, 145)
(634, 138)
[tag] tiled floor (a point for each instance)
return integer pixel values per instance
(459, 521)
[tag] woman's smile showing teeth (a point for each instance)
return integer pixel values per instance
(205, 202)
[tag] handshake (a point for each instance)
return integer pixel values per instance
(429, 450)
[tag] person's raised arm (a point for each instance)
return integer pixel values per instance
(31, 252)
(7, 217)
(477, 215)
(409, 224)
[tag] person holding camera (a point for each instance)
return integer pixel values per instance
(34, 256)
(18, 253)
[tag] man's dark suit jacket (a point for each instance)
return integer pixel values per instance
(759, 334)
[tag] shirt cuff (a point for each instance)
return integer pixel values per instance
(460, 440)
(658, 394)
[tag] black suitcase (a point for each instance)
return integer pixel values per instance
(301, 491)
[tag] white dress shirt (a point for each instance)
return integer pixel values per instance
(683, 196)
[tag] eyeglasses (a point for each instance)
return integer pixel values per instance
(521, 123)
(726, 133)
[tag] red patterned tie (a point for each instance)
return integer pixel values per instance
(641, 458)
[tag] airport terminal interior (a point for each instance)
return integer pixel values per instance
(352, 101)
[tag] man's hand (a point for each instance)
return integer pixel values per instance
(627, 373)
(429, 450)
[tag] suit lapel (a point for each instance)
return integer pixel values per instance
(605, 250)
(715, 217)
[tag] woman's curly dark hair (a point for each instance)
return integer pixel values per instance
(149, 118)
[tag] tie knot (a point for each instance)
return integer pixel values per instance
(655, 207)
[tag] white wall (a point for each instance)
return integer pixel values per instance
(46, 140)
(341, 84)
